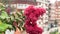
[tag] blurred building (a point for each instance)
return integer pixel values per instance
(57, 11)
(44, 4)
(22, 4)
(52, 13)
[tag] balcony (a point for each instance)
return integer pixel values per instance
(43, 1)
(25, 2)
(58, 10)
(57, 13)
(33, 2)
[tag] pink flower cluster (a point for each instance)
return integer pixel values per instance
(32, 13)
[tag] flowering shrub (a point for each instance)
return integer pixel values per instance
(32, 13)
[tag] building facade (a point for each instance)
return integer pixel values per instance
(52, 15)
(44, 4)
(57, 11)
(22, 4)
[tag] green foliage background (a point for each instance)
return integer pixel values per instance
(6, 21)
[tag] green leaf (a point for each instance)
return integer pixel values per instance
(0, 33)
(4, 26)
(3, 15)
(12, 18)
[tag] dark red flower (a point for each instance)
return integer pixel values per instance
(32, 13)
(29, 10)
(42, 11)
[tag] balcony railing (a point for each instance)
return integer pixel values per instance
(20, 2)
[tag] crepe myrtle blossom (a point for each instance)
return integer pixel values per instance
(31, 14)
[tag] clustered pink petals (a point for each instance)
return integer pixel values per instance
(32, 13)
